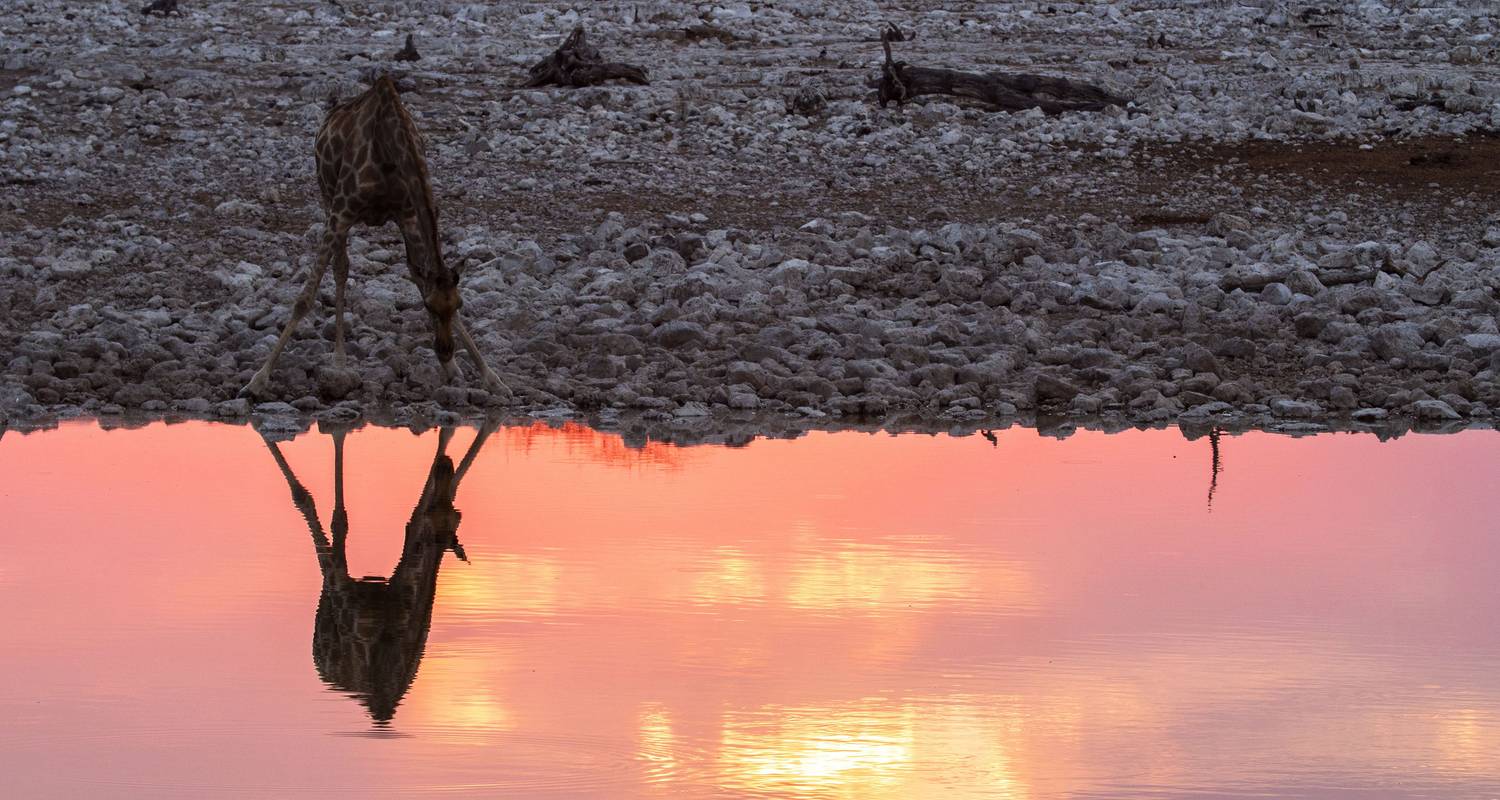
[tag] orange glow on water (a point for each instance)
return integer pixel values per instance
(843, 615)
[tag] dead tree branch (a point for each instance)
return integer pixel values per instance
(577, 63)
(900, 82)
(409, 52)
(161, 8)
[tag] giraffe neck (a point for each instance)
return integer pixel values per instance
(398, 147)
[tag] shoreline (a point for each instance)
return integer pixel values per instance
(638, 429)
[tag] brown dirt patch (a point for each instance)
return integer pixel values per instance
(1467, 164)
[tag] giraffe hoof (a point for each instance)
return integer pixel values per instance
(255, 389)
(497, 387)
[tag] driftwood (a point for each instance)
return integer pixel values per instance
(409, 52)
(900, 81)
(577, 63)
(161, 8)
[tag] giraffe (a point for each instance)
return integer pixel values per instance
(372, 170)
(369, 633)
(1213, 478)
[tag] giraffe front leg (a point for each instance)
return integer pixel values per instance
(258, 384)
(339, 524)
(492, 382)
(453, 372)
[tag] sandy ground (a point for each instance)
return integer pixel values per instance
(1295, 223)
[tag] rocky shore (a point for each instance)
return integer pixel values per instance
(1295, 224)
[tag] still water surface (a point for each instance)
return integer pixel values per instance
(545, 612)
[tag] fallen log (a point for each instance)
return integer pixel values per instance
(900, 82)
(161, 8)
(578, 63)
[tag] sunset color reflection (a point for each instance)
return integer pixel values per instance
(548, 612)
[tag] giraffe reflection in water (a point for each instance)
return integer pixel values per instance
(369, 632)
(1216, 464)
(1215, 459)
(1213, 480)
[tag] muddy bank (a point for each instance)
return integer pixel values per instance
(1294, 224)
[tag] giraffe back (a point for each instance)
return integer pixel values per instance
(371, 161)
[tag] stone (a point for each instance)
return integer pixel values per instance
(1421, 258)
(1457, 403)
(1396, 340)
(1434, 410)
(635, 251)
(1277, 294)
(794, 272)
(1191, 399)
(238, 407)
(1198, 359)
(14, 399)
(195, 405)
(1482, 344)
(1225, 223)
(1154, 303)
(1432, 292)
(1386, 282)
(1302, 281)
(1048, 389)
(679, 333)
(741, 399)
(335, 383)
(960, 285)
(1309, 325)
(604, 366)
(1295, 409)
(64, 267)
(755, 376)
(1342, 397)
(342, 413)
(1361, 299)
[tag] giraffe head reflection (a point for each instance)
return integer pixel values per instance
(369, 633)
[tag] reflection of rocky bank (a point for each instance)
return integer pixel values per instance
(961, 264)
(369, 633)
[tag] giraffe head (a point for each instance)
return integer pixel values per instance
(442, 302)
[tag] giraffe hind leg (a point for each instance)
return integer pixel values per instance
(340, 279)
(262, 378)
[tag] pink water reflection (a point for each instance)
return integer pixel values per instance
(842, 615)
